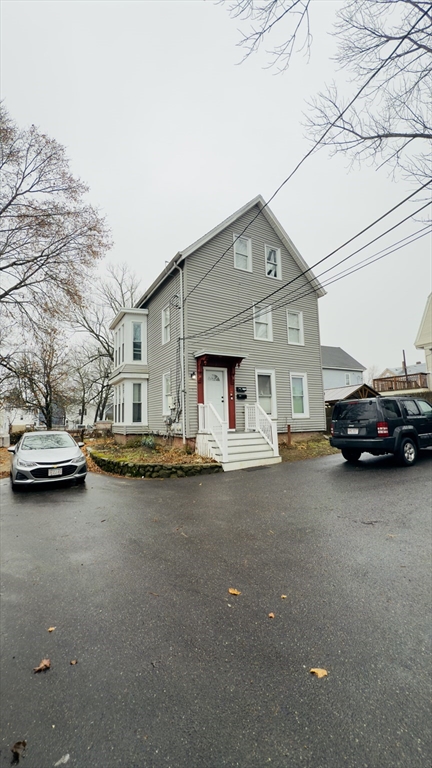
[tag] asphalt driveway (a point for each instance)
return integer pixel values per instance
(174, 671)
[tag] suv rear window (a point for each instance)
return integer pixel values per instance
(359, 411)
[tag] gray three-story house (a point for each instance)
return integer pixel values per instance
(224, 348)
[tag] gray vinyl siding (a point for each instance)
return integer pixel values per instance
(162, 357)
(226, 291)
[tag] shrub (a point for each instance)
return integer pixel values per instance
(148, 442)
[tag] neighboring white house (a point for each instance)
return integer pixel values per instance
(181, 363)
(424, 338)
(340, 369)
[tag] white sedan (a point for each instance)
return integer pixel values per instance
(45, 457)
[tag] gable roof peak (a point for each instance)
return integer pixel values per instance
(258, 201)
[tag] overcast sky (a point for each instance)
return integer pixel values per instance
(172, 136)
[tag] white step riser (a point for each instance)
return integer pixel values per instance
(230, 466)
(256, 454)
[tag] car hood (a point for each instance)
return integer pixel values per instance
(49, 455)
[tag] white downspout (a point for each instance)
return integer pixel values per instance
(182, 356)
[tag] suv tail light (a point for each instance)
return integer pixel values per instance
(332, 429)
(382, 428)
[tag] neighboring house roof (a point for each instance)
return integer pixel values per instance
(359, 391)
(424, 335)
(411, 369)
(337, 358)
(272, 220)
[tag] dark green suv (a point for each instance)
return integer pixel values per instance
(378, 425)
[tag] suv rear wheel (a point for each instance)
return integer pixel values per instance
(407, 452)
(352, 456)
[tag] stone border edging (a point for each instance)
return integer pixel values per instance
(130, 469)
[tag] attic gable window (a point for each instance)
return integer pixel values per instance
(166, 325)
(273, 262)
(263, 330)
(243, 253)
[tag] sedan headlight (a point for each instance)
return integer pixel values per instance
(21, 464)
(78, 460)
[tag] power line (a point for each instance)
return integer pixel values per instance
(332, 253)
(295, 295)
(314, 147)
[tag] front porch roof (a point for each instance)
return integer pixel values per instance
(218, 353)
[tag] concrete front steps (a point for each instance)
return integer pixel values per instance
(245, 449)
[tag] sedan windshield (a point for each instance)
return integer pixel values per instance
(46, 441)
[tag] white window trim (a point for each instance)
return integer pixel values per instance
(257, 308)
(301, 329)
(166, 411)
(249, 253)
(268, 372)
(278, 262)
(165, 341)
(305, 414)
(137, 401)
(134, 323)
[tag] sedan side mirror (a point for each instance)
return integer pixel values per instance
(11, 449)
(80, 445)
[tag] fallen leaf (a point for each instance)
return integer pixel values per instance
(51, 629)
(45, 664)
(104, 520)
(318, 672)
(271, 616)
(234, 591)
(283, 597)
(74, 661)
(18, 748)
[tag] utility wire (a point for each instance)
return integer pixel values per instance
(332, 279)
(314, 147)
(332, 253)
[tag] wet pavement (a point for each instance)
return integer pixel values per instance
(173, 670)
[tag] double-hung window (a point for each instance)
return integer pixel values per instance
(299, 395)
(136, 403)
(122, 403)
(136, 341)
(166, 393)
(295, 327)
(243, 253)
(122, 343)
(347, 379)
(266, 391)
(273, 262)
(263, 323)
(166, 325)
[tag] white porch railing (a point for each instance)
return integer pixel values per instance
(257, 420)
(209, 421)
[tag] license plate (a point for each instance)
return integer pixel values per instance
(52, 472)
(352, 431)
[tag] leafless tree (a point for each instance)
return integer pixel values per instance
(89, 378)
(385, 47)
(39, 369)
(50, 237)
(119, 288)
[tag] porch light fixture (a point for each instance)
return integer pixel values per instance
(193, 375)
